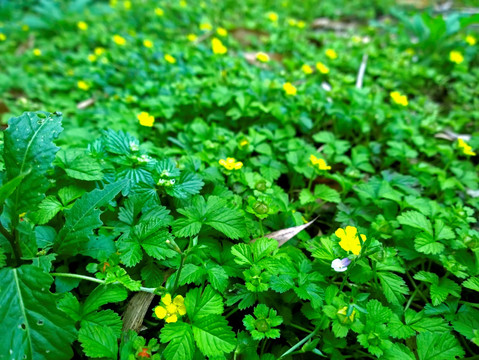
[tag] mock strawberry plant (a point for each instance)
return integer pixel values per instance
(212, 180)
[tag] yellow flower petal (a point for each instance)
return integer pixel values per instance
(172, 318)
(181, 310)
(160, 312)
(179, 300)
(166, 299)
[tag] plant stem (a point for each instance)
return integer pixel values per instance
(17, 251)
(261, 227)
(231, 312)
(297, 345)
(411, 298)
(300, 328)
(178, 273)
(99, 281)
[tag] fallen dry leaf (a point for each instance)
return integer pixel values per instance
(85, 103)
(283, 235)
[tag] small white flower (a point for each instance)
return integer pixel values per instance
(340, 265)
(144, 159)
(134, 146)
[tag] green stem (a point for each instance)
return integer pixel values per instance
(231, 312)
(469, 303)
(300, 328)
(416, 287)
(17, 251)
(99, 281)
(263, 346)
(411, 298)
(178, 273)
(261, 227)
(300, 343)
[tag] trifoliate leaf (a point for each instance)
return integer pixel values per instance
(438, 346)
(181, 345)
(426, 244)
(217, 277)
(243, 254)
(398, 351)
(30, 323)
(394, 287)
(47, 209)
(416, 220)
(98, 341)
(421, 323)
(103, 294)
(101, 318)
(327, 194)
(78, 164)
(203, 304)
(213, 335)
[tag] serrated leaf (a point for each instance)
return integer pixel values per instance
(103, 294)
(327, 194)
(47, 209)
(217, 277)
(84, 217)
(78, 164)
(213, 335)
(191, 273)
(243, 254)
(306, 197)
(394, 287)
(442, 231)
(427, 277)
(29, 149)
(30, 323)
(282, 283)
(203, 304)
(187, 185)
(472, 283)
(152, 274)
(421, 323)
(438, 346)
(398, 351)
(101, 318)
(426, 244)
(70, 305)
(118, 142)
(416, 220)
(98, 341)
(181, 342)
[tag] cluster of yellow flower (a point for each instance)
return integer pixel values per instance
(145, 119)
(320, 163)
(471, 40)
(170, 59)
(398, 98)
(296, 23)
(218, 47)
(170, 310)
(262, 57)
(466, 148)
(231, 163)
(83, 85)
(289, 89)
(456, 57)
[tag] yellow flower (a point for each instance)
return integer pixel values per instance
(307, 69)
(119, 40)
(99, 51)
(330, 53)
(301, 24)
(409, 51)
(82, 25)
(292, 22)
(272, 16)
(218, 47)
(37, 52)
(91, 57)
(344, 311)
(231, 163)
(263, 57)
(145, 119)
(398, 98)
(323, 69)
(244, 143)
(356, 39)
(321, 163)
(83, 85)
(148, 43)
(170, 59)
(183, 4)
(25, 27)
(192, 37)
(222, 32)
(456, 57)
(159, 12)
(206, 26)
(169, 310)
(466, 148)
(113, 3)
(3, 37)
(289, 89)
(127, 4)
(349, 239)
(471, 40)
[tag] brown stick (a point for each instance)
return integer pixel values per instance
(136, 311)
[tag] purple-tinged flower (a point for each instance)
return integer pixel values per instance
(340, 265)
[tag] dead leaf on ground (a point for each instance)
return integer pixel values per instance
(243, 35)
(284, 235)
(86, 103)
(452, 136)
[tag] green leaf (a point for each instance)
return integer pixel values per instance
(416, 220)
(213, 335)
(243, 254)
(427, 277)
(217, 277)
(188, 184)
(181, 342)
(103, 294)
(47, 209)
(426, 244)
(438, 346)
(325, 193)
(9, 187)
(98, 341)
(443, 232)
(394, 287)
(70, 305)
(30, 323)
(120, 275)
(191, 273)
(84, 217)
(78, 164)
(472, 283)
(306, 197)
(398, 351)
(107, 318)
(29, 149)
(421, 323)
(203, 304)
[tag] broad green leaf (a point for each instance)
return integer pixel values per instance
(103, 294)
(101, 318)
(181, 345)
(120, 275)
(416, 220)
(98, 341)
(398, 351)
(9, 187)
(421, 323)
(426, 244)
(70, 305)
(443, 232)
(213, 335)
(84, 217)
(472, 283)
(467, 323)
(30, 323)
(438, 346)
(203, 304)
(427, 277)
(306, 197)
(29, 149)
(78, 164)
(394, 287)
(47, 209)
(217, 277)
(243, 254)
(191, 273)
(187, 185)
(327, 194)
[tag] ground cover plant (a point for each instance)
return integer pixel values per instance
(239, 180)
